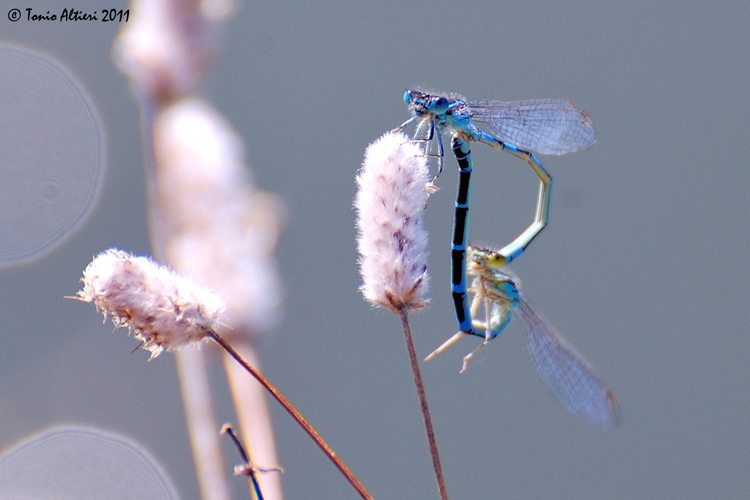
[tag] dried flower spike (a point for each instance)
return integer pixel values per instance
(165, 310)
(392, 240)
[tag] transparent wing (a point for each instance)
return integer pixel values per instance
(544, 126)
(566, 372)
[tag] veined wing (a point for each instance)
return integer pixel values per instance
(544, 126)
(566, 372)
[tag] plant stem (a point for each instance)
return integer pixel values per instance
(422, 396)
(295, 415)
(201, 424)
(249, 471)
(252, 413)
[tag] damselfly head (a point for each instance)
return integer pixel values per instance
(479, 257)
(421, 103)
(496, 260)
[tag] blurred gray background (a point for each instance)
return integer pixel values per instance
(644, 266)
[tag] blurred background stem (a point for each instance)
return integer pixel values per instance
(205, 217)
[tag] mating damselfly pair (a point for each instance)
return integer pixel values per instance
(522, 128)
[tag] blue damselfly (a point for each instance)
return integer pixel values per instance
(570, 377)
(545, 126)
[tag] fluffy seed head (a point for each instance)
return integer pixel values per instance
(392, 241)
(164, 310)
(205, 194)
(165, 46)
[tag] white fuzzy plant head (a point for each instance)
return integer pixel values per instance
(205, 194)
(392, 241)
(165, 310)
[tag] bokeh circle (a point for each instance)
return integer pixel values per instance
(53, 155)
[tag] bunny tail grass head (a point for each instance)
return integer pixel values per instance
(165, 310)
(392, 241)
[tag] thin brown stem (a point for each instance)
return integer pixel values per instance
(253, 413)
(295, 415)
(422, 396)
